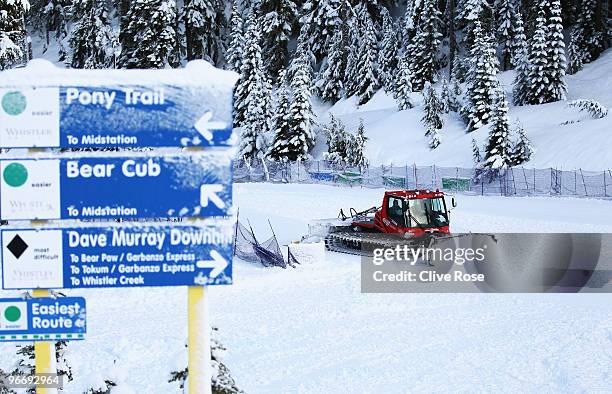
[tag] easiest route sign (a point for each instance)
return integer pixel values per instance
(118, 256)
(128, 109)
(42, 319)
(198, 185)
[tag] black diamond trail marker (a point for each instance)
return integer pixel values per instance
(17, 246)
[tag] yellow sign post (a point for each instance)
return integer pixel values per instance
(198, 343)
(44, 354)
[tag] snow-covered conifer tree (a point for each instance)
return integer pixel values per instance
(476, 156)
(282, 130)
(331, 76)
(357, 147)
(459, 72)
(403, 87)
(321, 18)
(454, 95)
(445, 96)
(518, 42)
(302, 136)
(522, 150)
(303, 52)
(555, 53)
(236, 46)
(411, 21)
(594, 108)
(472, 11)
(536, 80)
(521, 87)
(10, 54)
(434, 138)
(424, 49)
(575, 54)
(278, 18)
(250, 64)
(432, 115)
(546, 76)
(254, 141)
(150, 38)
(92, 39)
(56, 16)
(509, 31)
(367, 76)
(388, 55)
(498, 150)
(482, 83)
(351, 74)
(588, 36)
(13, 34)
(203, 24)
(338, 141)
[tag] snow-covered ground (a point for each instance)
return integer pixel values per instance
(399, 137)
(310, 330)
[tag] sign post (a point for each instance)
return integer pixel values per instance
(198, 342)
(45, 359)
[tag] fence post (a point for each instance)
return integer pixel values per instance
(433, 177)
(605, 186)
(456, 179)
(575, 182)
(406, 178)
(416, 177)
(586, 193)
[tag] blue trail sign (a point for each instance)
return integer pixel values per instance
(42, 319)
(196, 185)
(117, 256)
(191, 108)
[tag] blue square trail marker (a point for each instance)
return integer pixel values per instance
(42, 319)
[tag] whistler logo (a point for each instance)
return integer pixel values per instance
(14, 103)
(15, 175)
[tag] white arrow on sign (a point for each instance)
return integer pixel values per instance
(209, 193)
(218, 263)
(204, 125)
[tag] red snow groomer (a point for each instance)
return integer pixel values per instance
(414, 217)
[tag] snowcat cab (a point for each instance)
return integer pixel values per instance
(418, 215)
(409, 213)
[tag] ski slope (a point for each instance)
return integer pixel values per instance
(398, 137)
(310, 330)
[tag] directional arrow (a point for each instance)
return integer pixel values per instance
(205, 126)
(218, 264)
(209, 193)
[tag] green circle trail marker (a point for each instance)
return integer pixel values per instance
(14, 103)
(15, 174)
(12, 314)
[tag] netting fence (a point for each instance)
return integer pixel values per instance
(268, 252)
(517, 181)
